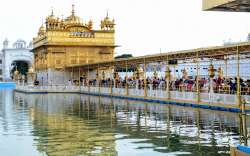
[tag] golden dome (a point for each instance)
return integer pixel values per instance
(42, 30)
(107, 23)
(51, 17)
(73, 19)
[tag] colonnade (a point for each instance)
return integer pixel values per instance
(141, 81)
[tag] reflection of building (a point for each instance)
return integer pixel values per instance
(92, 125)
(66, 42)
(58, 133)
(10, 55)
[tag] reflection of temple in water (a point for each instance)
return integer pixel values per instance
(82, 124)
(58, 130)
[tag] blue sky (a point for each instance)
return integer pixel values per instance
(143, 26)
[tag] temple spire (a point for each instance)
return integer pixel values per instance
(52, 11)
(107, 15)
(73, 10)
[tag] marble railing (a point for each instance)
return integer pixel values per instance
(150, 93)
(174, 95)
(58, 88)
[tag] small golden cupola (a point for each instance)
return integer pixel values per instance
(90, 25)
(73, 19)
(52, 22)
(107, 23)
(42, 31)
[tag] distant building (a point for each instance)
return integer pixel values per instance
(19, 52)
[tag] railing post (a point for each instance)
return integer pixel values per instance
(88, 81)
(145, 79)
(126, 79)
(111, 80)
(98, 79)
(238, 81)
(79, 75)
(197, 78)
(72, 76)
(226, 72)
(174, 72)
(167, 75)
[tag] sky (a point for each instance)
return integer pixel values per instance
(142, 26)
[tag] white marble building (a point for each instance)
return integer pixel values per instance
(18, 52)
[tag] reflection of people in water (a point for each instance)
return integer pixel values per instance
(69, 83)
(36, 82)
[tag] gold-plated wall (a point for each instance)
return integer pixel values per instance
(70, 41)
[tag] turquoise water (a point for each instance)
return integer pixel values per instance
(4, 85)
(74, 125)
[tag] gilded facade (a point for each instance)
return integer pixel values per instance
(70, 41)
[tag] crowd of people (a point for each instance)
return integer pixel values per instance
(216, 85)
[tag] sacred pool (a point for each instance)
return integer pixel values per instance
(78, 124)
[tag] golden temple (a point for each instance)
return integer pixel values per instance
(63, 42)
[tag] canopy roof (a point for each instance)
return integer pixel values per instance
(218, 52)
(227, 5)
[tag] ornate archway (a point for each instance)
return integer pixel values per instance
(21, 66)
(18, 57)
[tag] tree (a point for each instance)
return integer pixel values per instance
(123, 56)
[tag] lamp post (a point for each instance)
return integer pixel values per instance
(126, 79)
(238, 82)
(211, 74)
(145, 78)
(168, 75)
(198, 78)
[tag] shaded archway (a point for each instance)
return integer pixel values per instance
(21, 66)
